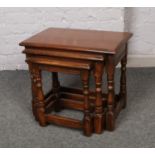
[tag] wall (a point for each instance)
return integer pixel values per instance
(141, 21)
(19, 23)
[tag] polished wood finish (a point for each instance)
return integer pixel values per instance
(110, 116)
(88, 126)
(123, 91)
(38, 96)
(64, 54)
(99, 115)
(60, 63)
(65, 121)
(75, 51)
(78, 40)
(46, 103)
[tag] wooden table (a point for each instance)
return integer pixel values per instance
(82, 52)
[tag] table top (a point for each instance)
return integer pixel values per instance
(78, 39)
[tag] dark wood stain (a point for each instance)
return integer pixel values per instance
(82, 52)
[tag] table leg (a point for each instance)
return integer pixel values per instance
(34, 110)
(87, 121)
(56, 89)
(123, 91)
(38, 96)
(110, 116)
(98, 116)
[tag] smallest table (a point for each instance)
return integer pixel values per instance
(78, 52)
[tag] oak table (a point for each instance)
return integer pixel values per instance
(81, 52)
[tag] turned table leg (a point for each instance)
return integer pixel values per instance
(56, 89)
(99, 114)
(87, 121)
(123, 91)
(33, 90)
(110, 116)
(37, 93)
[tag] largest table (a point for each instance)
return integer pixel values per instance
(104, 48)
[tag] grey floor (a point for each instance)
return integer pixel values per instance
(135, 125)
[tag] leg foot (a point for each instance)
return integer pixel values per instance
(34, 110)
(88, 125)
(110, 121)
(98, 123)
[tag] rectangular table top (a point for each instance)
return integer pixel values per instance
(78, 39)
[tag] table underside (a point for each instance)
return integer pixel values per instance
(100, 110)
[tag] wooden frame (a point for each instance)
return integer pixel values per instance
(77, 52)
